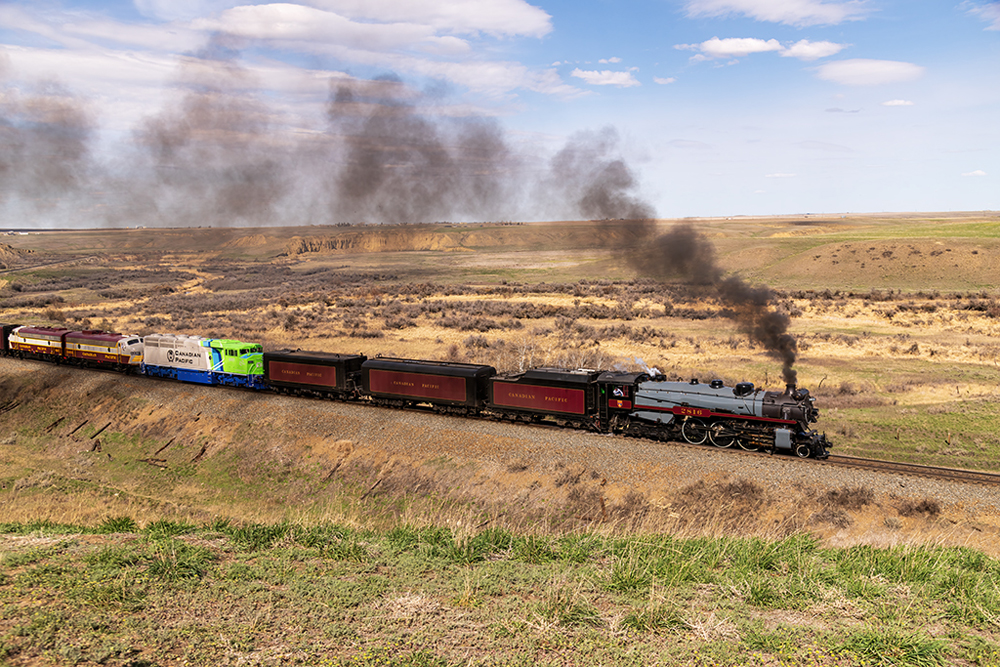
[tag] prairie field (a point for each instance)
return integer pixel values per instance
(146, 523)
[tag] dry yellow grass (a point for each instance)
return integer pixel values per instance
(911, 359)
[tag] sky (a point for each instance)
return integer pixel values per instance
(176, 112)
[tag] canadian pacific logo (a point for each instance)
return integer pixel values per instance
(178, 357)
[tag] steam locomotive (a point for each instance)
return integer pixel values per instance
(633, 404)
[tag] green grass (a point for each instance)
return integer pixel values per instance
(171, 593)
(961, 434)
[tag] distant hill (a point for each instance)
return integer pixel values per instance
(10, 255)
(908, 251)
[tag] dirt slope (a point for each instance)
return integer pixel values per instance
(81, 446)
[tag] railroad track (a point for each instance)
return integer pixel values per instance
(915, 470)
(911, 469)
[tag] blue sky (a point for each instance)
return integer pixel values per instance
(721, 107)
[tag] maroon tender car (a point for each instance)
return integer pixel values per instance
(439, 383)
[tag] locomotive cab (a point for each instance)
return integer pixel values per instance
(130, 350)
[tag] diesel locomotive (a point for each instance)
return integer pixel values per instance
(632, 404)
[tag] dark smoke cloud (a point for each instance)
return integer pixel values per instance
(685, 253)
(211, 156)
(601, 187)
(45, 160)
(399, 165)
(220, 153)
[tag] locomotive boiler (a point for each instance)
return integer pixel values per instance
(742, 416)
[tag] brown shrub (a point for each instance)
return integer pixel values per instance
(586, 504)
(834, 517)
(927, 506)
(850, 498)
(568, 477)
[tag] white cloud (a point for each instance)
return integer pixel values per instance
(13, 17)
(663, 81)
(897, 103)
(977, 172)
(863, 72)
(174, 38)
(304, 24)
(495, 78)
(606, 78)
(397, 36)
(494, 17)
(607, 61)
(806, 50)
(181, 10)
(790, 12)
(779, 175)
(102, 70)
(739, 47)
(732, 47)
(989, 12)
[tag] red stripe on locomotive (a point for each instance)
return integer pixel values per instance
(37, 349)
(102, 357)
(702, 412)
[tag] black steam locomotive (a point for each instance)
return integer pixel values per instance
(741, 416)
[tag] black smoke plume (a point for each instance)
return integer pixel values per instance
(221, 152)
(756, 316)
(601, 186)
(399, 165)
(45, 159)
(211, 155)
(686, 253)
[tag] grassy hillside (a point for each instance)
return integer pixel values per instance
(896, 317)
(171, 593)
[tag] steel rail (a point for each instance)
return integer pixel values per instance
(915, 469)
